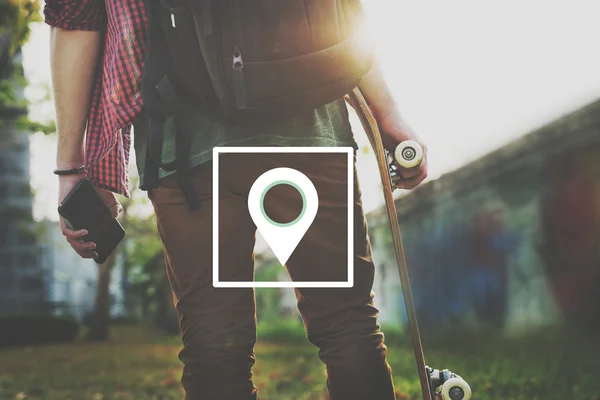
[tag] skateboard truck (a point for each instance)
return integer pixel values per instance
(448, 385)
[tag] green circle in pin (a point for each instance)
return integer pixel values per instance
(262, 203)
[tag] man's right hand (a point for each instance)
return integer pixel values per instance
(66, 183)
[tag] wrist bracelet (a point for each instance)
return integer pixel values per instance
(72, 171)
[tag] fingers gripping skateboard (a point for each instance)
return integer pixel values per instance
(408, 154)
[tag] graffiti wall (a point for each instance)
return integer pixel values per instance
(570, 245)
(511, 248)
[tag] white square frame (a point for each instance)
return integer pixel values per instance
(217, 283)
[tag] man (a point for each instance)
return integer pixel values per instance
(218, 326)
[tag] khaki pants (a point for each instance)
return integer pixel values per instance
(218, 326)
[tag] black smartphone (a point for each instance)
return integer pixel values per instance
(83, 208)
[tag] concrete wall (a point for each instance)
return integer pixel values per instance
(511, 241)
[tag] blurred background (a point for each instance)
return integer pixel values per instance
(503, 240)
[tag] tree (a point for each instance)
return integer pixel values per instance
(100, 326)
(15, 17)
(17, 236)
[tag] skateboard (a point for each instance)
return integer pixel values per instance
(408, 154)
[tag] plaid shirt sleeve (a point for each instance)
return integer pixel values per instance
(87, 15)
(116, 98)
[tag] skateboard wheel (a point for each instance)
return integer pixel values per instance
(456, 389)
(408, 154)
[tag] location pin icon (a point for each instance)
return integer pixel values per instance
(283, 238)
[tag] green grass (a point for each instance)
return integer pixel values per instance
(138, 365)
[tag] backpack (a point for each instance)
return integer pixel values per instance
(245, 60)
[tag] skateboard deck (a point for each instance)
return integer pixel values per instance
(408, 154)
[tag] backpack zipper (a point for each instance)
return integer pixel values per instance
(225, 87)
(239, 86)
(238, 78)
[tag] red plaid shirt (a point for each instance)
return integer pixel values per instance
(116, 97)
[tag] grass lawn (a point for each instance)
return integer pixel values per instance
(138, 365)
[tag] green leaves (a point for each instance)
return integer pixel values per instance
(26, 125)
(15, 17)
